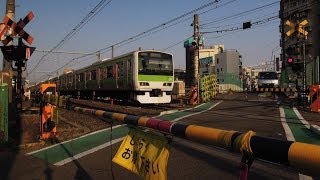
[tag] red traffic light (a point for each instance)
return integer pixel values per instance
(290, 60)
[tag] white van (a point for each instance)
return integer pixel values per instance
(268, 79)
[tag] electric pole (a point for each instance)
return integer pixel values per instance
(196, 49)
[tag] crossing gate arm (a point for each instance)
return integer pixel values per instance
(301, 156)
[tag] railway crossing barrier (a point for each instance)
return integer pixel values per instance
(301, 156)
(276, 89)
(315, 98)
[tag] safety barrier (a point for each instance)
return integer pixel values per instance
(315, 98)
(304, 157)
(208, 87)
(276, 89)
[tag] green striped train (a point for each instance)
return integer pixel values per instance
(142, 76)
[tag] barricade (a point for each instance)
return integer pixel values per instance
(315, 98)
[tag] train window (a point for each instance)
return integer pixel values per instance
(88, 76)
(120, 70)
(103, 73)
(129, 66)
(81, 79)
(109, 71)
(70, 79)
(93, 75)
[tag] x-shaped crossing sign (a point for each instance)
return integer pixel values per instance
(17, 28)
(297, 27)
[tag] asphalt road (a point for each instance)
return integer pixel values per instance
(187, 160)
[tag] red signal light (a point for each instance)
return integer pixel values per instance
(290, 60)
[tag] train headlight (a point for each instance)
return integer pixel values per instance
(167, 84)
(144, 84)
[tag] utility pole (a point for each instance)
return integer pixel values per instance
(196, 48)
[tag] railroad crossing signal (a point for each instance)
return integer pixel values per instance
(297, 27)
(17, 28)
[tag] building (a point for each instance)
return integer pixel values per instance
(207, 59)
(229, 61)
(228, 67)
(293, 13)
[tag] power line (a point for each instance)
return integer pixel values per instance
(152, 30)
(83, 22)
(239, 14)
(241, 28)
(231, 32)
(63, 52)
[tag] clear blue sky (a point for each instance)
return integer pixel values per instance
(122, 19)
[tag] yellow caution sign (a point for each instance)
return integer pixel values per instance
(144, 153)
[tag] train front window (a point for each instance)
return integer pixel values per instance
(152, 63)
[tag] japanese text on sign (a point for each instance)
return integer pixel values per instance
(145, 154)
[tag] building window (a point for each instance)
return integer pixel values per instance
(221, 69)
(217, 60)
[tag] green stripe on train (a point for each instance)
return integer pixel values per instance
(161, 78)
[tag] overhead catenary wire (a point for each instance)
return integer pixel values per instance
(239, 14)
(238, 28)
(83, 22)
(152, 30)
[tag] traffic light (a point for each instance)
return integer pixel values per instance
(290, 60)
(246, 25)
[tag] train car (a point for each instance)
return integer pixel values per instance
(144, 76)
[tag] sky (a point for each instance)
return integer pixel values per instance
(122, 19)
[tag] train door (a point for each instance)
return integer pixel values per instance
(120, 75)
(129, 74)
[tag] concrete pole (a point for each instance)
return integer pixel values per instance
(196, 48)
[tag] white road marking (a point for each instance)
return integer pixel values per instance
(289, 134)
